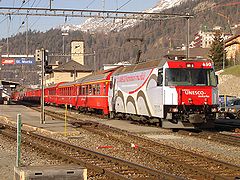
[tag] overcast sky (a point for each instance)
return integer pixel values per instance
(45, 23)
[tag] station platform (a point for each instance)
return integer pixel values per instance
(31, 119)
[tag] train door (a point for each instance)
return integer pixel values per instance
(155, 93)
(111, 96)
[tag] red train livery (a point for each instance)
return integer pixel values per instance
(175, 94)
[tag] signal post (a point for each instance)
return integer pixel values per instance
(41, 57)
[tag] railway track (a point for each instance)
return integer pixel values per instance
(99, 163)
(194, 165)
(213, 136)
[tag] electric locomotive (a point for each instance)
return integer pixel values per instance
(172, 93)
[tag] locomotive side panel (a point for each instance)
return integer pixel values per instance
(137, 93)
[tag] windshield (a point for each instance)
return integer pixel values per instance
(190, 77)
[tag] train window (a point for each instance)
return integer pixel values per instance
(98, 89)
(94, 89)
(190, 77)
(160, 78)
(104, 89)
(86, 90)
(83, 90)
(111, 83)
(90, 89)
(79, 90)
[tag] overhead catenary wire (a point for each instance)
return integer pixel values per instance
(24, 3)
(26, 17)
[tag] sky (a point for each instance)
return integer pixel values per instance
(14, 24)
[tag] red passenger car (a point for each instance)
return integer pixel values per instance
(88, 93)
(51, 94)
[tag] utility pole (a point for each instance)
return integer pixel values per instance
(188, 34)
(139, 52)
(50, 4)
(223, 55)
(27, 36)
(94, 62)
(42, 120)
(8, 26)
(63, 35)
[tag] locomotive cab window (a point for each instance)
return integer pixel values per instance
(190, 77)
(160, 77)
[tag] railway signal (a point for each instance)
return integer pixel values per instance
(47, 67)
(38, 55)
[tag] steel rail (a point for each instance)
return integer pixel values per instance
(113, 167)
(181, 158)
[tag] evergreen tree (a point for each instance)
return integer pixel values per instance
(217, 52)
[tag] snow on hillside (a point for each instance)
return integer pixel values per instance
(96, 24)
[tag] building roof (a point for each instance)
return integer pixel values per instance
(97, 76)
(193, 53)
(232, 38)
(71, 66)
(5, 82)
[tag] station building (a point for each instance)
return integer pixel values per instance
(73, 69)
(232, 47)
(6, 87)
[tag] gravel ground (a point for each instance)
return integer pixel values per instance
(226, 153)
(84, 138)
(204, 147)
(29, 158)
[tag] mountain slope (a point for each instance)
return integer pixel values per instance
(103, 25)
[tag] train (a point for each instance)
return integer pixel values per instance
(176, 94)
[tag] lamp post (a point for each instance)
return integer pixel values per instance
(63, 35)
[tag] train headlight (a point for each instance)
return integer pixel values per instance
(174, 110)
(205, 101)
(190, 65)
(190, 101)
(214, 109)
(232, 110)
